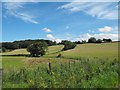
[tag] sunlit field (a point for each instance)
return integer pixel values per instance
(86, 66)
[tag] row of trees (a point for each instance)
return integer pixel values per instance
(39, 47)
(94, 40)
(24, 43)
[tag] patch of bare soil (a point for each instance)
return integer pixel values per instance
(41, 60)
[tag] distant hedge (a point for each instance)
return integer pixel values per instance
(68, 45)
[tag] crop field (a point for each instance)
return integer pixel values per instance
(86, 66)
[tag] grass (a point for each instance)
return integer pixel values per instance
(54, 49)
(86, 66)
(104, 50)
(16, 52)
(12, 62)
(83, 74)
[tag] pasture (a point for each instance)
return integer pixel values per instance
(86, 66)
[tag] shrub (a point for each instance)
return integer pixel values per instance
(68, 45)
(3, 49)
(59, 55)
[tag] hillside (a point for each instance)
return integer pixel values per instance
(90, 50)
(16, 52)
(51, 50)
(81, 50)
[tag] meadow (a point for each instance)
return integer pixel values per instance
(86, 66)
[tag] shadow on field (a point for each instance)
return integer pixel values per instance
(17, 55)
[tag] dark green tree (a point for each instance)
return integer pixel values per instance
(92, 40)
(37, 49)
(107, 40)
(68, 45)
(83, 41)
(99, 41)
(3, 49)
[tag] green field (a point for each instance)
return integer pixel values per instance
(86, 66)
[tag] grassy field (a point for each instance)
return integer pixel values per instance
(86, 66)
(16, 52)
(104, 50)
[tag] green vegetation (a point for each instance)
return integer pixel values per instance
(54, 49)
(68, 45)
(85, 73)
(103, 50)
(37, 49)
(24, 43)
(16, 52)
(85, 66)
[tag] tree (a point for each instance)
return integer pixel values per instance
(3, 49)
(99, 41)
(78, 42)
(68, 45)
(107, 40)
(92, 40)
(10, 45)
(83, 41)
(37, 49)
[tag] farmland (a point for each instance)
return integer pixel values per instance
(86, 66)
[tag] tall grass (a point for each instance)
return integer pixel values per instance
(85, 73)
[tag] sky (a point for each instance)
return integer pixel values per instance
(74, 21)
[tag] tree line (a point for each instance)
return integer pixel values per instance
(24, 43)
(94, 40)
(39, 46)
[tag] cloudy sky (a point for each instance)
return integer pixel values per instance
(59, 20)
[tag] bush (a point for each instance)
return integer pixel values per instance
(92, 40)
(3, 49)
(37, 49)
(59, 55)
(68, 45)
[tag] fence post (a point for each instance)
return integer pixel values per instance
(50, 67)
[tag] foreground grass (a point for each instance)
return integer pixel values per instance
(12, 62)
(86, 73)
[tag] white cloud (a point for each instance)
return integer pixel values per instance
(101, 10)
(115, 30)
(58, 40)
(47, 30)
(17, 10)
(86, 36)
(50, 36)
(105, 29)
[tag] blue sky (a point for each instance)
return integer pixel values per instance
(59, 20)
